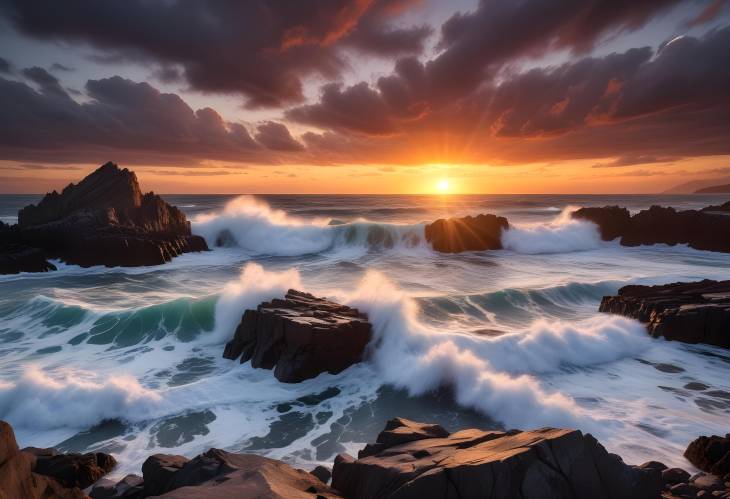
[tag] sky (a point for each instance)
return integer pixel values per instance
(366, 96)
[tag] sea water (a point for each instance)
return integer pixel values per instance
(129, 360)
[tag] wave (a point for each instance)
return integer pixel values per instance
(254, 226)
(562, 235)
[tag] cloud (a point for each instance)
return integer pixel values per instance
(60, 67)
(5, 66)
(630, 160)
(123, 119)
(276, 136)
(260, 49)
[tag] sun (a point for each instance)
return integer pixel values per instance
(442, 186)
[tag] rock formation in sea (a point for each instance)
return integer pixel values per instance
(300, 337)
(103, 220)
(711, 454)
(691, 312)
(706, 229)
(453, 235)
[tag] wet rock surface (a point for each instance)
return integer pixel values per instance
(706, 229)
(71, 470)
(691, 312)
(711, 454)
(545, 463)
(300, 337)
(454, 235)
(103, 220)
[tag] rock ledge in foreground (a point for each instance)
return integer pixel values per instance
(545, 463)
(691, 312)
(300, 337)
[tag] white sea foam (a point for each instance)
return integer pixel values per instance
(562, 235)
(68, 399)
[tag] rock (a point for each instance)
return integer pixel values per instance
(219, 474)
(545, 463)
(15, 258)
(399, 431)
(711, 454)
(708, 482)
(654, 465)
(706, 229)
(684, 490)
(454, 235)
(18, 481)
(158, 471)
(674, 475)
(71, 470)
(323, 473)
(300, 337)
(103, 489)
(105, 220)
(693, 312)
(611, 220)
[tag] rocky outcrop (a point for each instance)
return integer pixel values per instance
(71, 470)
(17, 478)
(103, 220)
(691, 312)
(545, 463)
(711, 454)
(218, 474)
(454, 235)
(706, 229)
(300, 337)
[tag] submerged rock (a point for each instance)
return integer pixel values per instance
(300, 337)
(545, 463)
(691, 312)
(104, 220)
(706, 229)
(454, 235)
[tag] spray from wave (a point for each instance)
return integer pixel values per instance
(255, 227)
(562, 235)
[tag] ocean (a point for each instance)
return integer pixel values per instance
(129, 360)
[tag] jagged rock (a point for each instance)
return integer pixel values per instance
(399, 431)
(453, 235)
(300, 337)
(15, 258)
(18, 481)
(106, 220)
(323, 473)
(693, 312)
(158, 471)
(711, 454)
(611, 220)
(546, 463)
(71, 470)
(219, 474)
(706, 229)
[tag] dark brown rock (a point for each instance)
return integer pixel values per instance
(546, 463)
(711, 454)
(217, 474)
(158, 471)
(17, 479)
(453, 235)
(15, 258)
(106, 220)
(706, 229)
(71, 470)
(300, 337)
(323, 473)
(693, 312)
(675, 475)
(611, 220)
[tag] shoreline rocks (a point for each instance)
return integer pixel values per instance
(454, 235)
(711, 454)
(103, 220)
(300, 337)
(544, 463)
(706, 229)
(691, 312)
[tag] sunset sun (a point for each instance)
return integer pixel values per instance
(442, 186)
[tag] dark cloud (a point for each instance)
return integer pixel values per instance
(120, 118)
(5, 66)
(259, 48)
(276, 136)
(60, 67)
(709, 13)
